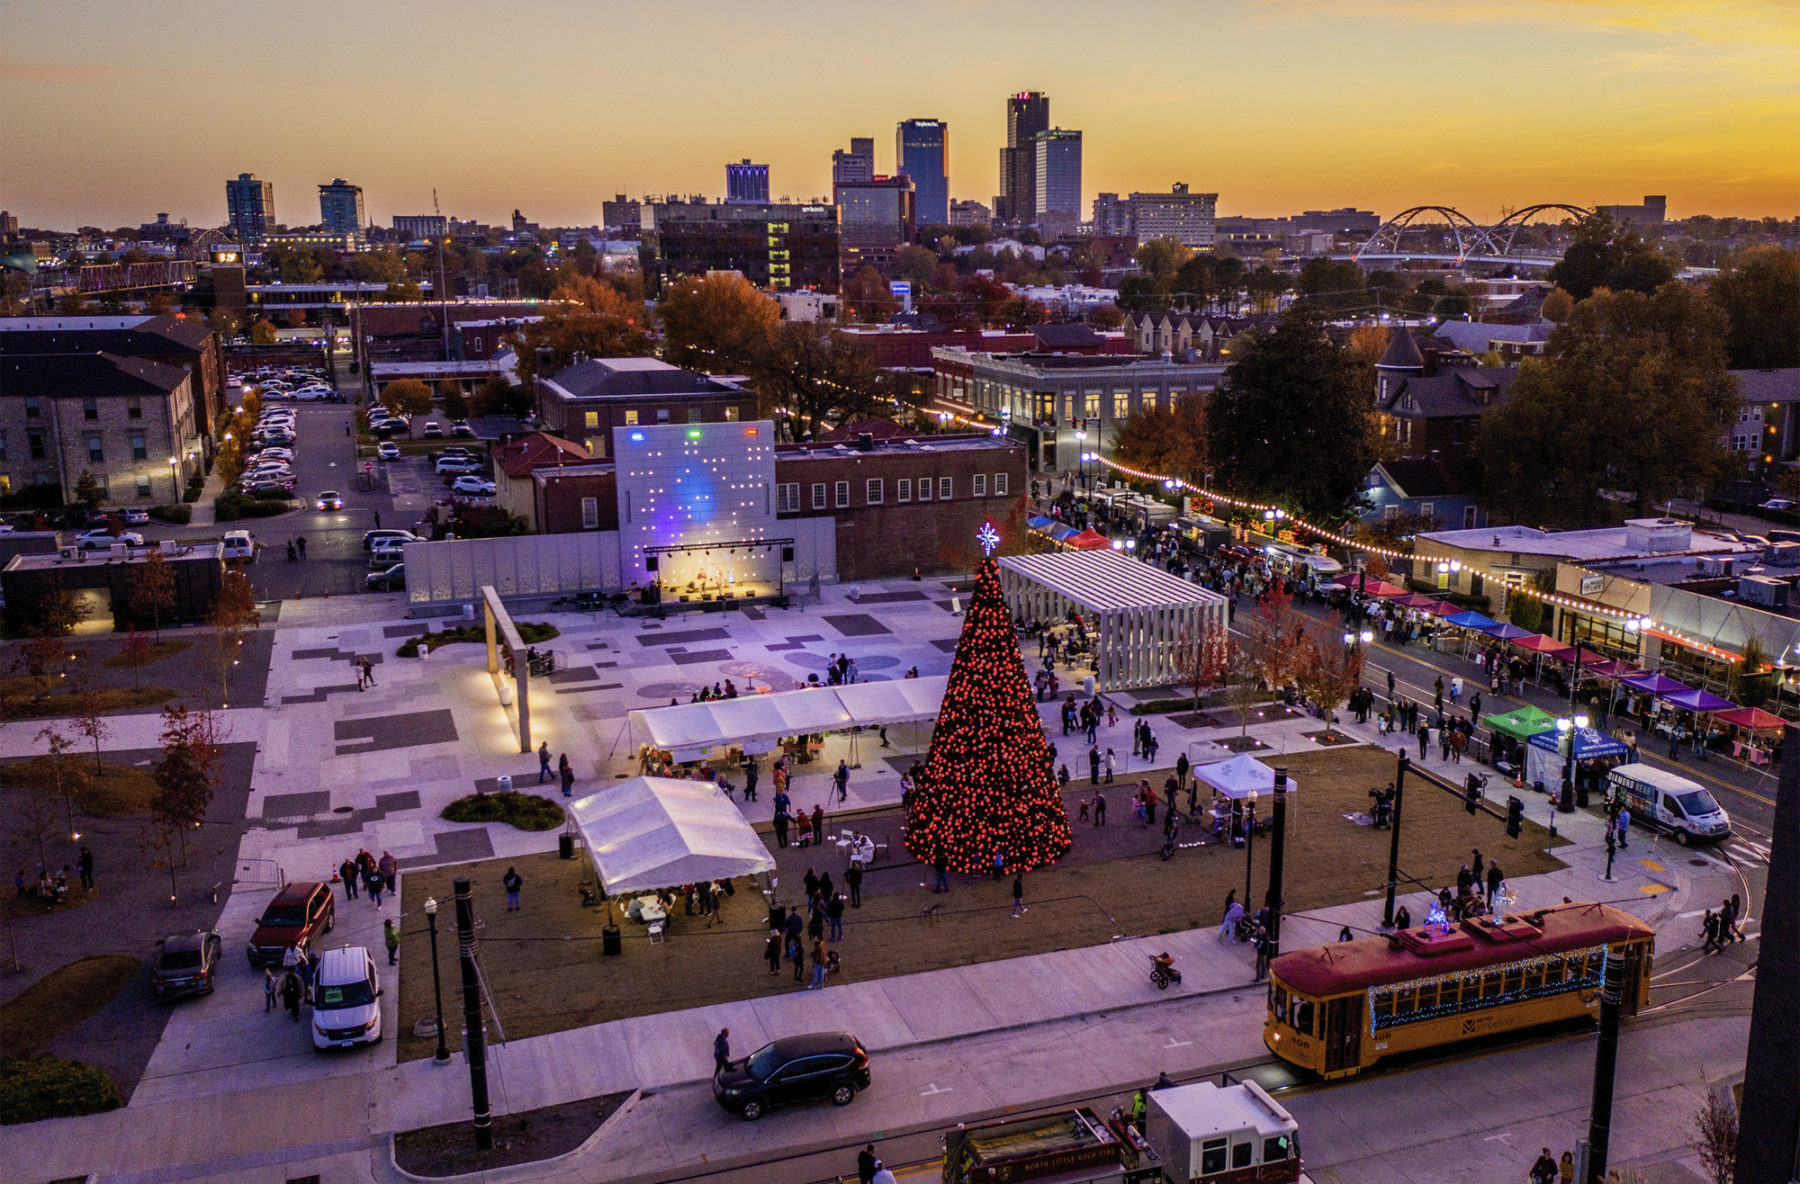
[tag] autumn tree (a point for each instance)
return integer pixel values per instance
(1290, 424)
(407, 397)
(1203, 660)
(1170, 441)
(808, 377)
(65, 774)
(1269, 654)
(87, 491)
(1630, 399)
(1327, 669)
(497, 396)
(150, 588)
(262, 331)
(868, 298)
(135, 652)
(1611, 255)
(1759, 290)
(587, 317)
(716, 323)
(1161, 258)
(1559, 306)
(86, 714)
(184, 774)
(234, 616)
(456, 404)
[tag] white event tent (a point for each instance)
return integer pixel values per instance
(1141, 614)
(758, 722)
(1241, 776)
(657, 832)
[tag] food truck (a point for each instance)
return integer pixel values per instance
(1072, 1146)
(1234, 1134)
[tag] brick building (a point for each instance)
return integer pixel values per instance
(386, 336)
(587, 401)
(171, 339)
(129, 422)
(517, 460)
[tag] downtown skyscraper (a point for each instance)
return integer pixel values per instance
(1027, 115)
(922, 152)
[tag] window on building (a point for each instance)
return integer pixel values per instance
(943, 489)
(903, 489)
(999, 484)
(100, 483)
(590, 419)
(695, 415)
(1121, 405)
(90, 408)
(143, 487)
(35, 440)
(1425, 510)
(872, 491)
(33, 408)
(138, 449)
(662, 415)
(843, 494)
(1090, 405)
(134, 408)
(731, 413)
(787, 498)
(924, 489)
(631, 418)
(96, 451)
(818, 496)
(590, 513)
(980, 489)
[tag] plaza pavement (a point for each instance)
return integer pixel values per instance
(340, 769)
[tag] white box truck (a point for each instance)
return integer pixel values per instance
(1209, 1134)
(1666, 800)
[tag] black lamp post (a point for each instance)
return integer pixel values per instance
(1249, 816)
(442, 1056)
(1393, 876)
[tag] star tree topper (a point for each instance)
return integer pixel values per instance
(988, 537)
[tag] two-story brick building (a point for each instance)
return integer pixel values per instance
(587, 401)
(129, 422)
(172, 339)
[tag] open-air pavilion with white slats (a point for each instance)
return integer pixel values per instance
(1139, 613)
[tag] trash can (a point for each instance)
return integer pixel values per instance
(610, 944)
(565, 845)
(505, 785)
(778, 916)
(1087, 686)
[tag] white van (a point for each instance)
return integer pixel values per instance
(1668, 801)
(239, 545)
(346, 1005)
(1286, 558)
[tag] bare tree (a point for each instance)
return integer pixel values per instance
(184, 776)
(233, 617)
(1716, 1136)
(62, 771)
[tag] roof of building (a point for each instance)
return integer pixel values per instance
(1402, 353)
(97, 374)
(153, 336)
(600, 378)
(1478, 336)
(1071, 336)
(1422, 476)
(1769, 386)
(537, 450)
(1529, 303)
(1457, 391)
(1581, 546)
(880, 429)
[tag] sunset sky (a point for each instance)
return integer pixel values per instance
(111, 111)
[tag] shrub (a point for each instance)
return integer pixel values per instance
(180, 515)
(46, 1086)
(229, 506)
(530, 632)
(522, 810)
(271, 495)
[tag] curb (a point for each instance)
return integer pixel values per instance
(388, 1168)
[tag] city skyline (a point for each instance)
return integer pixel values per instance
(1317, 106)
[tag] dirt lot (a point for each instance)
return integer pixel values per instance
(546, 973)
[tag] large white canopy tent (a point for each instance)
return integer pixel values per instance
(1141, 613)
(657, 832)
(758, 722)
(1240, 777)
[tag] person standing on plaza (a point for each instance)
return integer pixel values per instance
(290, 995)
(543, 762)
(1099, 808)
(781, 822)
(818, 965)
(271, 989)
(721, 1050)
(1181, 771)
(1424, 739)
(940, 864)
(818, 825)
(1018, 890)
(841, 779)
(1093, 766)
(1390, 684)
(1478, 864)
(1544, 1170)
(834, 916)
(750, 774)
(1111, 763)
(84, 864)
(865, 1165)
(1495, 878)
(390, 871)
(1624, 825)
(772, 952)
(372, 882)
(347, 873)
(566, 772)
(853, 880)
(797, 956)
(512, 882)
(391, 936)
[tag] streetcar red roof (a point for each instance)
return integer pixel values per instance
(1376, 961)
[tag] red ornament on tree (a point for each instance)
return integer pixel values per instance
(987, 787)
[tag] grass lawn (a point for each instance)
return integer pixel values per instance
(125, 659)
(118, 790)
(61, 999)
(544, 967)
(24, 697)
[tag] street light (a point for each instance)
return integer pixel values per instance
(1568, 729)
(1080, 446)
(442, 1056)
(1249, 837)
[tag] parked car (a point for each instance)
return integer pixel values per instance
(370, 538)
(261, 488)
(456, 450)
(387, 553)
(331, 499)
(312, 393)
(461, 428)
(98, 518)
(239, 545)
(302, 911)
(1778, 503)
(793, 1069)
(473, 486)
(135, 516)
(433, 430)
(394, 578)
(101, 540)
(345, 1004)
(188, 964)
(456, 466)
(388, 451)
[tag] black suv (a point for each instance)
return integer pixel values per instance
(793, 1069)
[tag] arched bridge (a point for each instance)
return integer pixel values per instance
(1454, 237)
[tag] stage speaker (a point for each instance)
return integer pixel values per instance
(650, 562)
(787, 554)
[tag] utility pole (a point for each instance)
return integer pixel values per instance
(474, 1044)
(443, 286)
(1606, 1063)
(1273, 901)
(1387, 913)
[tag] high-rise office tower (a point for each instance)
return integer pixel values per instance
(1057, 154)
(249, 207)
(922, 152)
(1027, 114)
(858, 164)
(341, 207)
(746, 182)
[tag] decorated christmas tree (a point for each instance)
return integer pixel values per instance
(987, 788)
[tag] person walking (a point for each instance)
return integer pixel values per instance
(818, 965)
(390, 871)
(750, 775)
(566, 771)
(271, 989)
(721, 1050)
(1099, 808)
(1424, 739)
(797, 955)
(84, 865)
(1018, 890)
(853, 880)
(512, 882)
(1737, 915)
(834, 916)
(940, 864)
(865, 1165)
(1710, 927)
(543, 762)
(391, 936)
(841, 779)
(1478, 864)
(1565, 1168)
(1544, 1170)
(772, 952)
(301, 544)
(1111, 763)
(372, 881)
(781, 824)
(368, 670)
(347, 873)
(1624, 825)
(361, 678)
(1390, 685)
(1495, 878)
(290, 995)
(1475, 707)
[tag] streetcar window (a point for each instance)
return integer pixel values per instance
(1513, 979)
(1553, 971)
(1240, 1154)
(1280, 1008)
(1403, 1004)
(1384, 1006)
(1448, 992)
(1490, 985)
(1534, 976)
(1428, 997)
(1212, 1156)
(1303, 1015)
(1275, 1150)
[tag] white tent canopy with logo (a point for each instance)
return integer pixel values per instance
(1243, 775)
(657, 832)
(759, 722)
